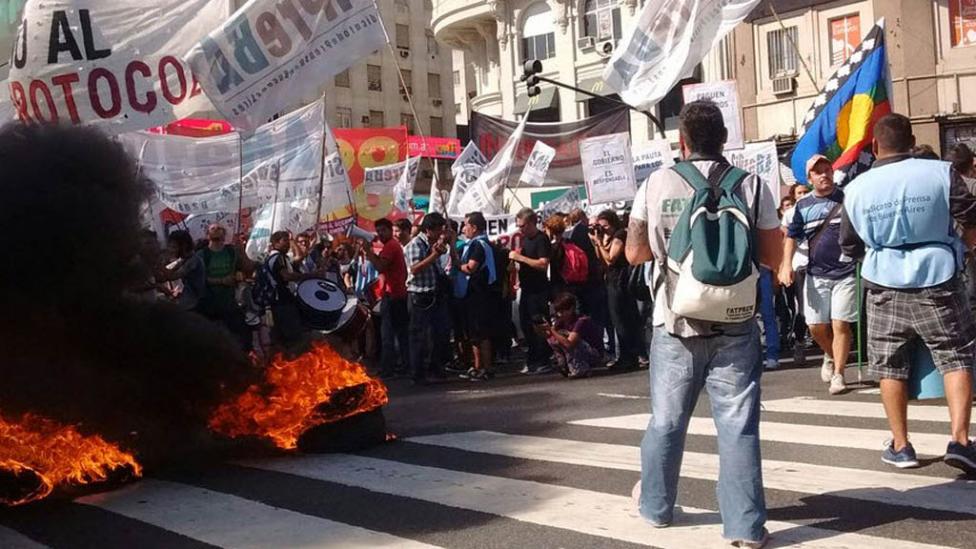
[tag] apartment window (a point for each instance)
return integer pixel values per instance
(402, 6)
(432, 47)
(342, 79)
(408, 78)
(407, 120)
(436, 126)
(434, 85)
(601, 19)
(538, 34)
(374, 77)
(457, 78)
(403, 36)
(962, 19)
(343, 117)
(376, 119)
(457, 108)
(845, 35)
(783, 59)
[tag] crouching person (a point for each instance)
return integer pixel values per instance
(576, 341)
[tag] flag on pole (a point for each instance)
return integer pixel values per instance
(485, 195)
(666, 43)
(840, 123)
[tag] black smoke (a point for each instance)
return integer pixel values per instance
(73, 346)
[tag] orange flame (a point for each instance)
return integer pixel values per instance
(291, 399)
(50, 455)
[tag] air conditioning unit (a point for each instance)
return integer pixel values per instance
(606, 48)
(437, 102)
(784, 85)
(404, 53)
(585, 43)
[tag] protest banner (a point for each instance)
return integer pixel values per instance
(534, 173)
(608, 168)
(485, 194)
(272, 54)
(282, 161)
(651, 157)
(564, 203)
(471, 155)
(501, 229)
(463, 181)
(391, 187)
(666, 42)
(760, 159)
(725, 95)
(490, 134)
(442, 148)
(112, 63)
(363, 148)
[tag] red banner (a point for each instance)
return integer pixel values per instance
(446, 148)
(363, 148)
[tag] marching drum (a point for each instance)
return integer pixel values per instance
(321, 303)
(352, 322)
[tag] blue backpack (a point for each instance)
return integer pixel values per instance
(265, 291)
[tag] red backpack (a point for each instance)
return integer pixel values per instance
(576, 266)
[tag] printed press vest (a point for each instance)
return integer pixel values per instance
(901, 212)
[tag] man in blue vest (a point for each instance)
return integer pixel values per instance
(898, 220)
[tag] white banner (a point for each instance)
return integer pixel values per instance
(203, 175)
(564, 203)
(760, 159)
(608, 168)
(113, 63)
(537, 165)
(471, 155)
(463, 180)
(665, 44)
(651, 157)
(485, 194)
(501, 229)
(725, 95)
(271, 54)
(392, 184)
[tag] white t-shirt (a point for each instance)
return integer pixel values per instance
(659, 201)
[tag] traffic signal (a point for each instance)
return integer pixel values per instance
(530, 75)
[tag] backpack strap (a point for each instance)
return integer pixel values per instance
(691, 175)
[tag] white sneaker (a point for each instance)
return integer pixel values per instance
(837, 384)
(772, 363)
(826, 369)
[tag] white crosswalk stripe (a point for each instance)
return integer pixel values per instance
(583, 511)
(208, 515)
(230, 521)
(794, 433)
(874, 486)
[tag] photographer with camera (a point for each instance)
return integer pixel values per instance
(576, 341)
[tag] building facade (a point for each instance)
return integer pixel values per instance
(931, 46)
(574, 39)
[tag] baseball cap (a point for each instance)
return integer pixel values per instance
(814, 159)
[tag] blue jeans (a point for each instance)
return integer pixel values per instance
(429, 332)
(394, 329)
(729, 368)
(767, 310)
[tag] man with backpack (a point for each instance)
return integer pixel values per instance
(533, 259)
(592, 293)
(830, 295)
(706, 226)
(222, 263)
(279, 274)
(478, 286)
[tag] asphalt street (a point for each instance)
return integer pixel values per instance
(539, 462)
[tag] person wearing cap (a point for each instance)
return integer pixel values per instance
(830, 290)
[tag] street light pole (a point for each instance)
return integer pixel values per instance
(530, 76)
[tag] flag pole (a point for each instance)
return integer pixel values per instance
(240, 183)
(318, 209)
(789, 38)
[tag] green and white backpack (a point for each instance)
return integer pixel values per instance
(712, 266)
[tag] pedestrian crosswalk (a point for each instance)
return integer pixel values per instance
(568, 486)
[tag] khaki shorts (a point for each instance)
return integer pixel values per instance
(826, 299)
